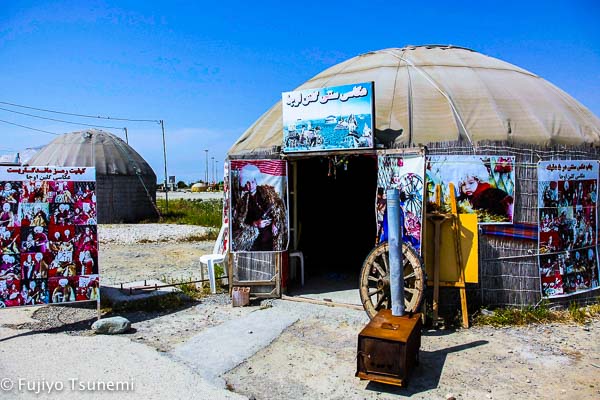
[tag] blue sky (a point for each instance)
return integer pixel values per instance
(210, 69)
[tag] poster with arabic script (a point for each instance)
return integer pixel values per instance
(329, 118)
(568, 226)
(48, 235)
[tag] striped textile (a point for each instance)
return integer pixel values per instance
(525, 231)
(270, 167)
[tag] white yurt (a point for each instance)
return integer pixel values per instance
(446, 100)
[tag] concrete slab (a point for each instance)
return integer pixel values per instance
(58, 366)
(333, 287)
(17, 315)
(221, 348)
(121, 297)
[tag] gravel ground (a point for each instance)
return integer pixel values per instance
(313, 358)
(148, 233)
(316, 358)
(165, 252)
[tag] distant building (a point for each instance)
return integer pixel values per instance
(20, 157)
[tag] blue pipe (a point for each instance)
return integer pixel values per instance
(395, 246)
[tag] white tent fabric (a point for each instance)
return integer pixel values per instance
(426, 94)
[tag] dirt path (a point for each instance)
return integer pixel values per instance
(316, 356)
(317, 359)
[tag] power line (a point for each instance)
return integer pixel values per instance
(60, 120)
(28, 127)
(80, 115)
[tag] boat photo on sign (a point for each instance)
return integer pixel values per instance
(331, 118)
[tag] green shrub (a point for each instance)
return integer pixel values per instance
(192, 212)
(539, 314)
(577, 313)
(521, 316)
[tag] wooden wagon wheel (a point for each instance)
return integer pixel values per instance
(375, 281)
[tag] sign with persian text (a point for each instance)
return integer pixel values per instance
(329, 118)
(48, 235)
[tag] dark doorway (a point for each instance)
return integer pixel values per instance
(336, 218)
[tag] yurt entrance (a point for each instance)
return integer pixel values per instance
(333, 218)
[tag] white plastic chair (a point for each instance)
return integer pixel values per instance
(298, 253)
(215, 258)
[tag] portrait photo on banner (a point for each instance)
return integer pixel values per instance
(483, 185)
(259, 209)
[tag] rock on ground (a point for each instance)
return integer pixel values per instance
(111, 326)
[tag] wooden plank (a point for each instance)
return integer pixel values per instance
(436, 257)
(277, 276)
(301, 299)
(459, 258)
(254, 283)
(327, 154)
(448, 284)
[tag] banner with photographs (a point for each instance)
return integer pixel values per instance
(48, 236)
(407, 175)
(330, 118)
(484, 185)
(259, 211)
(568, 226)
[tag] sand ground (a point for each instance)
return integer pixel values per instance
(314, 357)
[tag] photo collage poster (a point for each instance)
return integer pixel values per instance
(568, 226)
(48, 235)
(407, 175)
(259, 206)
(483, 185)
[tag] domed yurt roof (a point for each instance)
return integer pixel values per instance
(426, 94)
(199, 187)
(107, 152)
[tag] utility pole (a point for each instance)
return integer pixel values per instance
(217, 171)
(162, 125)
(213, 168)
(126, 137)
(206, 169)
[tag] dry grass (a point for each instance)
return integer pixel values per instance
(541, 314)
